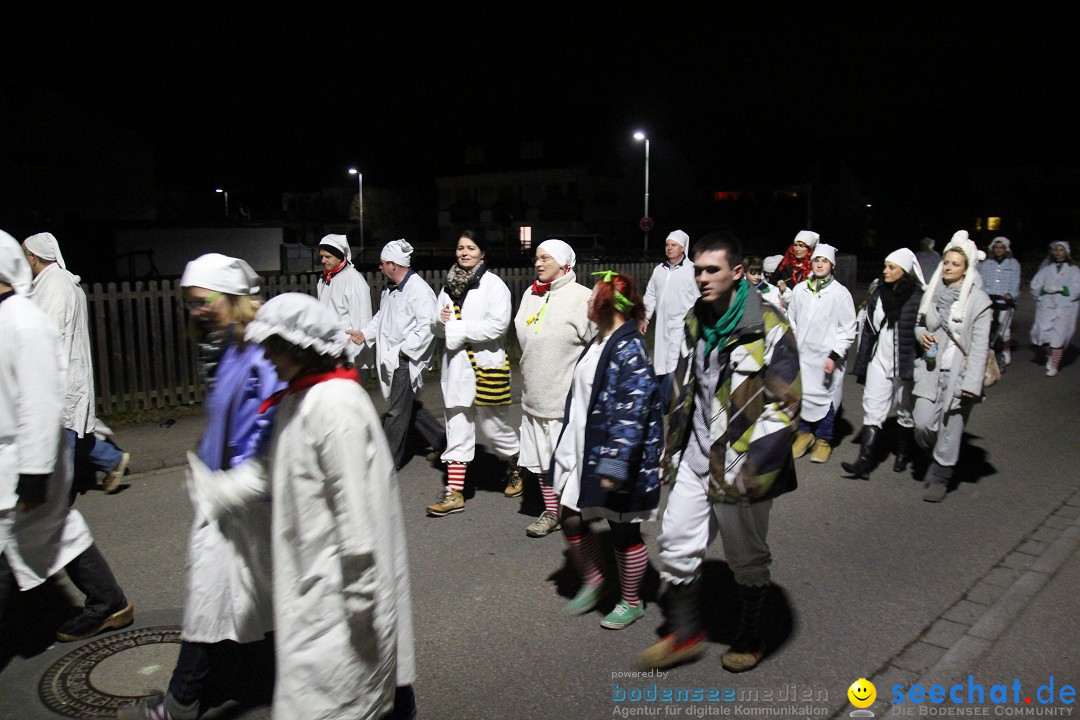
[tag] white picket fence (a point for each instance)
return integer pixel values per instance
(144, 358)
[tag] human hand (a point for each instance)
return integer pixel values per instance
(927, 340)
(830, 365)
(444, 315)
(782, 285)
(356, 336)
(608, 485)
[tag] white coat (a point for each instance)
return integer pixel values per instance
(342, 599)
(824, 323)
(670, 294)
(1055, 314)
(485, 318)
(349, 297)
(37, 544)
(403, 326)
(58, 293)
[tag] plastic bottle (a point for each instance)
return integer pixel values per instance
(931, 355)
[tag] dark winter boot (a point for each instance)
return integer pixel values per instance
(864, 463)
(746, 652)
(937, 483)
(686, 641)
(903, 449)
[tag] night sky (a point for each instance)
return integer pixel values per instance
(285, 101)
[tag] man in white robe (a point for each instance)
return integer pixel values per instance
(402, 333)
(58, 293)
(39, 532)
(671, 292)
(343, 289)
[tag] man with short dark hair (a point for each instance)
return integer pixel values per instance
(733, 410)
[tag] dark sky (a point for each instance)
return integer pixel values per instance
(284, 100)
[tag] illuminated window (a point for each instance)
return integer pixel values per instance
(993, 223)
(525, 238)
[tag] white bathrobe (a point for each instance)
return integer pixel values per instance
(403, 325)
(349, 297)
(58, 293)
(40, 543)
(824, 323)
(670, 294)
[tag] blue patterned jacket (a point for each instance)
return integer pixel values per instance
(624, 436)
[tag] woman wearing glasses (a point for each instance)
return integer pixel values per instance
(228, 579)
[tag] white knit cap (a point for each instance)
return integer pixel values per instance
(14, 270)
(1000, 239)
(960, 241)
(221, 273)
(770, 263)
(904, 258)
(826, 251)
(680, 237)
(561, 251)
(397, 251)
(1063, 244)
(807, 237)
(300, 319)
(45, 246)
(340, 243)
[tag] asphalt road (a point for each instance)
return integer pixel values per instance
(869, 580)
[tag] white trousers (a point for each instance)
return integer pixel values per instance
(538, 438)
(463, 424)
(690, 524)
(944, 437)
(881, 394)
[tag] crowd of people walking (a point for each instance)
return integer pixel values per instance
(297, 566)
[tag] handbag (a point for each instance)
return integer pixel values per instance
(492, 384)
(992, 373)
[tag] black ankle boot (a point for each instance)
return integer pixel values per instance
(864, 463)
(903, 450)
(937, 483)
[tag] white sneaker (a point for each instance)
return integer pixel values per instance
(1051, 371)
(1007, 354)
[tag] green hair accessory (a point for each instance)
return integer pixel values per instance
(622, 304)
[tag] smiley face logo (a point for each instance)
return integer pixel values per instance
(862, 693)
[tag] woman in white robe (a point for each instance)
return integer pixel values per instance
(1056, 287)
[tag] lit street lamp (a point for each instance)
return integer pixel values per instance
(360, 177)
(646, 221)
(226, 194)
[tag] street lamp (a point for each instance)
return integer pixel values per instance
(646, 221)
(360, 177)
(226, 194)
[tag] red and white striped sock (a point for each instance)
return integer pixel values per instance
(632, 564)
(455, 476)
(1055, 357)
(551, 500)
(585, 552)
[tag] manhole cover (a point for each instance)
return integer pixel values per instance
(90, 682)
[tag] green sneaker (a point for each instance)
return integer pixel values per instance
(585, 600)
(624, 614)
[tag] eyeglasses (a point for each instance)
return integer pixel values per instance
(202, 303)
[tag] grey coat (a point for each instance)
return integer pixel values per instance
(965, 373)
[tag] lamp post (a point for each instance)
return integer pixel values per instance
(226, 194)
(646, 221)
(360, 178)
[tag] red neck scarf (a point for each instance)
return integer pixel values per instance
(303, 382)
(539, 288)
(328, 275)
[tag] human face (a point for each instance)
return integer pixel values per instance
(468, 254)
(1058, 253)
(329, 262)
(754, 276)
(998, 249)
(389, 269)
(36, 266)
(953, 267)
(285, 366)
(821, 266)
(801, 249)
(715, 275)
(547, 267)
(892, 272)
(674, 252)
(206, 307)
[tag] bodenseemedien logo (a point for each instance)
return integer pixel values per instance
(862, 694)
